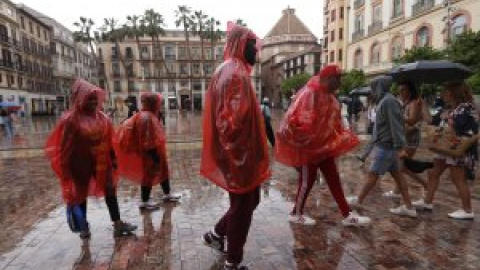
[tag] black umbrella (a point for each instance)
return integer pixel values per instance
(361, 91)
(344, 99)
(430, 72)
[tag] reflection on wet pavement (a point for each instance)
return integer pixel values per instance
(170, 238)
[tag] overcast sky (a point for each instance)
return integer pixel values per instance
(260, 15)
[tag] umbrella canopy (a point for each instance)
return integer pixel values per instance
(430, 71)
(361, 91)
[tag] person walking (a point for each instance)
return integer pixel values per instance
(267, 116)
(311, 136)
(81, 154)
(389, 142)
(235, 152)
(140, 144)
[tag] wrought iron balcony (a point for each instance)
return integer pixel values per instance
(358, 4)
(375, 27)
(358, 34)
(422, 6)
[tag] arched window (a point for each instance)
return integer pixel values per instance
(397, 47)
(358, 59)
(375, 54)
(423, 37)
(459, 25)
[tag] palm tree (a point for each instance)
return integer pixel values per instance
(85, 35)
(183, 15)
(115, 34)
(153, 24)
(199, 29)
(213, 34)
(135, 28)
(241, 22)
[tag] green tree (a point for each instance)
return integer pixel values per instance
(294, 83)
(134, 29)
(351, 80)
(420, 53)
(213, 34)
(465, 49)
(184, 19)
(199, 29)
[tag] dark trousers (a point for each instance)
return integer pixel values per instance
(146, 190)
(235, 224)
(306, 179)
(112, 205)
(270, 134)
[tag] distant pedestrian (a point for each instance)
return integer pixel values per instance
(267, 116)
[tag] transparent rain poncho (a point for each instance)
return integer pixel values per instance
(136, 138)
(235, 153)
(312, 128)
(79, 147)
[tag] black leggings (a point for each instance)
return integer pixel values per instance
(146, 190)
(112, 205)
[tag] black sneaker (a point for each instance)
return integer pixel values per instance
(232, 266)
(123, 229)
(217, 243)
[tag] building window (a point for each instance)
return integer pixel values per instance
(332, 36)
(377, 14)
(375, 54)
(340, 34)
(22, 22)
(196, 85)
(423, 37)
(358, 22)
(117, 86)
(39, 33)
(332, 15)
(340, 55)
(116, 69)
(182, 53)
(358, 59)
(45, 35)
(183, 68)
(397, 48)
(332, 56)
(196, 69)
(397, 8)
(341, 12)
(184, 84)
(144, 52)
(459, 25)
(30, 25)
(131, 86)
(170, 53)
(129, 52)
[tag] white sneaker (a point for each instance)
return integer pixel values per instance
(461, 214)
(391, 194)
(352, 201)
(172, 197)
(420, 204)
(301, 219)
(354, 219)
(404, 211)
(149, 205)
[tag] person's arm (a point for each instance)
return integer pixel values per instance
(414, 114)
(458, 151)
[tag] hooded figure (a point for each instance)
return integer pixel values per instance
(140, 143)
(81, 154)
(235, 153)
(267, 116)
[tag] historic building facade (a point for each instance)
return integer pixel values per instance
(335, 28)
(288, 37)
(162, 67)
(380, 31)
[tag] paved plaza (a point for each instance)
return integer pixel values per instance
(34, 233)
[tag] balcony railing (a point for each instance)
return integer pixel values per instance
(358, 4)
(422, 6)
(6, 64)
(5, 39)
(375, 27)
(358, 34)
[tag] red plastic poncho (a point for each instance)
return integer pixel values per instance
(312, 129)
(235, 153)
(79, 148)
(135, 137)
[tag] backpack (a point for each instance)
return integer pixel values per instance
(127, 135)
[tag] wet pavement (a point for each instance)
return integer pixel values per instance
(35, 235)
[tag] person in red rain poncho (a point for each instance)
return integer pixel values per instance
(141, 152)
(235, 151)
(81, 154)
(310, 137)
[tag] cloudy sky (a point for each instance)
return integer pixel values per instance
(260, 15)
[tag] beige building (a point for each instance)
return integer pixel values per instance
(25, 69)
(288, 37)
(165, 69)
(380, 31)
(335, 28)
